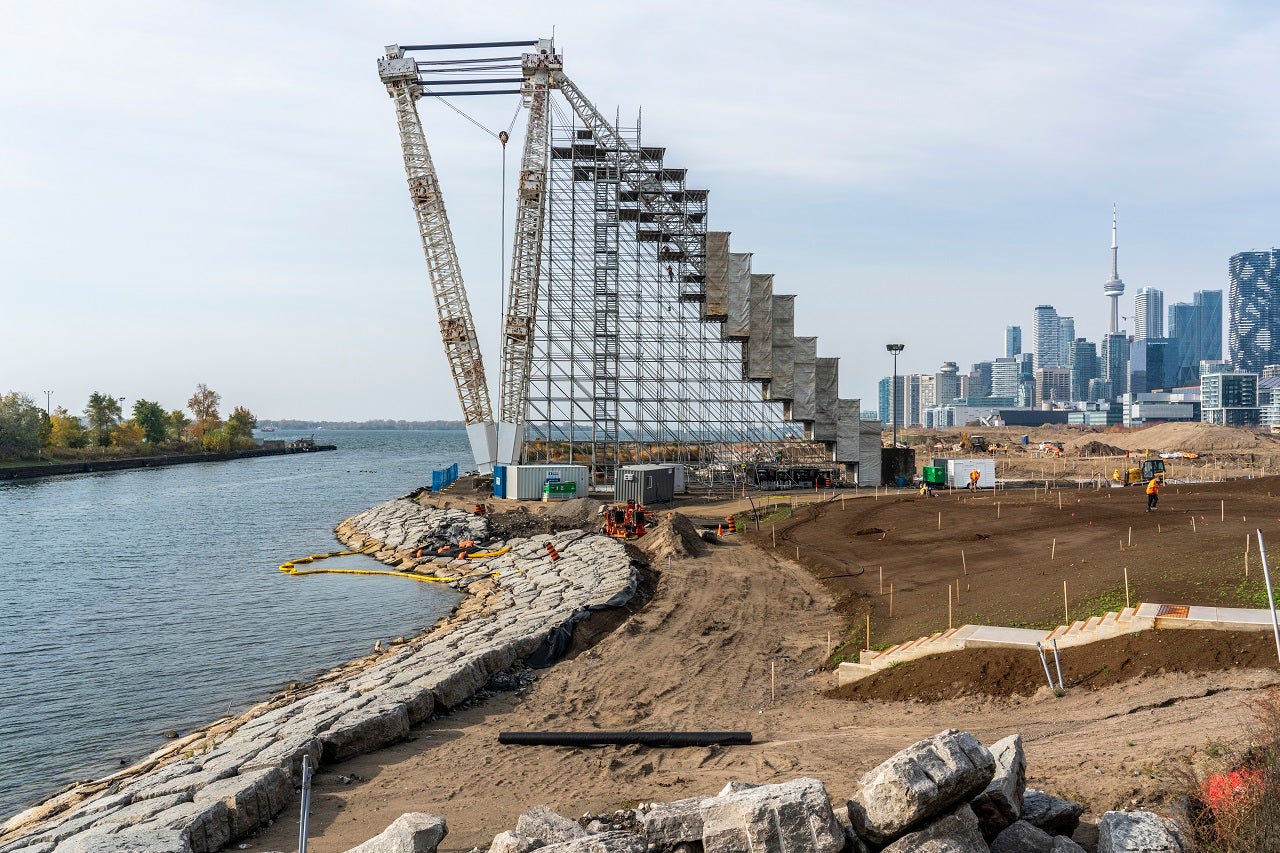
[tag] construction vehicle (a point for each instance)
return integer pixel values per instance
(624, 521)
(1140, 474)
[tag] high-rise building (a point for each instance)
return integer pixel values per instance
(1012, 341)
(1005, 376)
(1084, 367)
(1195, 335)
(979, 380)
(1149, 364)
(946, 383)
(1053, 384)
(1066, 337)
(910, 400)
(1114, 287)
(1148, 313)
(1230, 399)
(1115, 362)
(1046, 337)
(1254, 327)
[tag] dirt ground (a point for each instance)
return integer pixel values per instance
(738, 639)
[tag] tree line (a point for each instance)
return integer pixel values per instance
(25, 428)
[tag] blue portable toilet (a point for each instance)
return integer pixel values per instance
(499, 481)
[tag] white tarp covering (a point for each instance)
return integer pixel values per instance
(848, 430)
(782, 376)
(760, 342)
(738, 323)
(827, 387)
(805, 356)
(869, 469)
(716, 284)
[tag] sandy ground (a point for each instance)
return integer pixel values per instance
(736, 639)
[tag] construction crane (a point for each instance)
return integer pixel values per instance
(541, 71)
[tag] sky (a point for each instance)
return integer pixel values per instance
(212, 192)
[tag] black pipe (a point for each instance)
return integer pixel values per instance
(603, 738)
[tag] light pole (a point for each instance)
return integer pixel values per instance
(48, 396)
(893, 388)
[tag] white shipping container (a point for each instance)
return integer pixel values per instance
(525, 482)
(958, 473)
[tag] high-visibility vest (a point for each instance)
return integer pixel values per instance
(1153, 488)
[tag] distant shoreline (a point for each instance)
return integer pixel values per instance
(57, 469)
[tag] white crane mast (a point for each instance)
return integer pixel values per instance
(457, 328)
(526, 253)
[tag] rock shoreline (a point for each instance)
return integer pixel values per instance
(224, 783)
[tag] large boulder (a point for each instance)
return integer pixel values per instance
(162, 841)
(790, 817)
(1022, 837)
(957, 832)
(542, 824)
(669, 824)
(511, 842)
(923, 780)
(1054, 815)
(615, 841)
(1138, 832)
(413, 832)
(1000, 803)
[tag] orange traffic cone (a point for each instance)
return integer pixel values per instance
(551, 549)
(719, 529)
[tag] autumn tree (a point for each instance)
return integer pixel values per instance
(240, 427)
(127, 434)
(204, 406)
(152, 419)
(66, 430)
(19, 423)
(177, 424)
(103, 413)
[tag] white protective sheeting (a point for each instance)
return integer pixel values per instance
(737, 326)
(760, 341)
(869, 469)
(827, 385)
(484, 445)
(848, 430)
(805, 356)
(782, 376)
(716, 285)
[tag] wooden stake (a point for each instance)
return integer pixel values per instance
(775, 535)
(963, 563)
(997, 509)
(948, 607)
(1059, 500)
(797, 553)
(828, 644)
(957, 590)
(868, 629)
(1193, 524)
(891, 600)
(1053, 549)
(1066, 612)
(773, 681)
(882, 580)
(1126, 586)
(939, 520)
(1130, 537)
(1222, 510)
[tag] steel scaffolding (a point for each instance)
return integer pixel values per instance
(624, 367)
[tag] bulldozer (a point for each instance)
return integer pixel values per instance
(624, 521)
(1140, 474)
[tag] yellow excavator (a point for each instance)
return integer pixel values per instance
(1140, 474)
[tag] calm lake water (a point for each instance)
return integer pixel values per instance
(139, 601)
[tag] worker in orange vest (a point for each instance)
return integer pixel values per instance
(973, 479)
(1153, 493)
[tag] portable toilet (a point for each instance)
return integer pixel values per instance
(679, 486)
(499, 481)
(644, 484)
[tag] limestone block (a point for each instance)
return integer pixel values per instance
(669, 824)
(251, 799)
(22, 846)
(143, 810)
(187, 783)
(364, 731)
(790, 816)
(414, 832)
(417, 700)
(453, 688)
(925, 779)
(542, 824)
(287, 754)
(510, 842)
(1001, 803)
(163, 841)
(1139, 832)
(956, 832)
(1022, 837)
(1054, 815)
(206, 825)
(615, 841)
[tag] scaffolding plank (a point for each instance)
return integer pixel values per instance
(738, 300)
(716, 286)
(805, 357)
(827, 383)
(760, 342)
(782, 376)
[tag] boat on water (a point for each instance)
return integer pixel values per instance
(266, 429)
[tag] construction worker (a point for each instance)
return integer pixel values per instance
(1153, 493)
(1115, 475)
(671, 276)
(973, 479)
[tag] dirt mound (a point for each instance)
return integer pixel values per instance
(1098, 448)
(1012, 672)
(1196, 436)
(518, 522)
(672, 535)
(578, 512)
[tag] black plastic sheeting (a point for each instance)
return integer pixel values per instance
(553, 648)
(604, 738)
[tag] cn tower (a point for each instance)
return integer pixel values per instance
(1114, 287)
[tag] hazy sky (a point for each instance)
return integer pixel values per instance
(213, 192)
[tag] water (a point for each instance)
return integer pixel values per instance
(139, 601)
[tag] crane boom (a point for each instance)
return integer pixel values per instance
(526, 252)
(457, 328)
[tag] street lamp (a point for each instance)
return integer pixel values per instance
(48, 396)
(893, 388)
